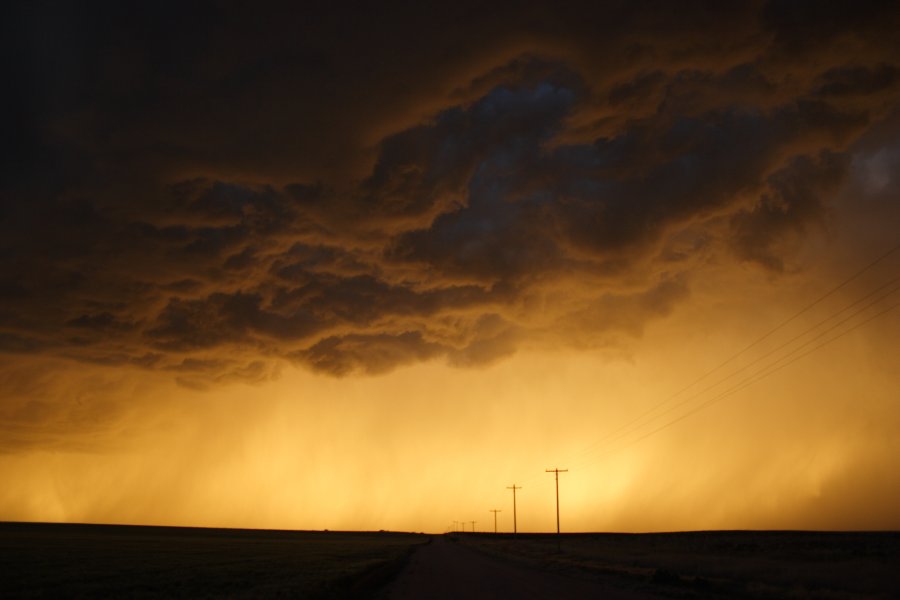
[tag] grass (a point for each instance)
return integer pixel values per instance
(90, 561)
(727, 564)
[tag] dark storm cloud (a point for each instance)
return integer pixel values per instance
(791, 203)
(369, 353)
(806, 25)
(205, 190)
(859, 81)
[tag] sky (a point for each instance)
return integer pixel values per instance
(317, 268)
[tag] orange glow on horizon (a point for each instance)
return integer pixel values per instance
(427, 445)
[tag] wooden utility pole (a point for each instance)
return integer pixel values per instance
(556, 473)
(495, 511)
(514, 487)
(473, 525)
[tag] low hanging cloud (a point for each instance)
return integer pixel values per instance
(549, 195)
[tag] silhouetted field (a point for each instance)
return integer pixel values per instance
(717, 564)
(90, 561)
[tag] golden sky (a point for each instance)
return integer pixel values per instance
(317, 270)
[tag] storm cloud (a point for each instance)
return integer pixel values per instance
(215, 200)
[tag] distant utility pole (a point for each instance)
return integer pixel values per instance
(455, 526)
(495, 511)
(556, 473)
(514, 487)
(473, 525)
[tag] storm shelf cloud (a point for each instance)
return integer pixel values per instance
(475, 211)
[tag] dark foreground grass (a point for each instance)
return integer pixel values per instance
(96, 561)
(718, 564)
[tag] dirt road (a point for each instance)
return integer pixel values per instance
(443, 570)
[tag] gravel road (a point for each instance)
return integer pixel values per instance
(443, 570)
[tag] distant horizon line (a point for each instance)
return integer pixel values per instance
(489, 533)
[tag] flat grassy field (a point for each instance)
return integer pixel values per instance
(105, 561)
(717, 564)
(91, 561)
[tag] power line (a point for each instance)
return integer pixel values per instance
(793, 317)
(643, 421)
(762, 374)
(753, 344)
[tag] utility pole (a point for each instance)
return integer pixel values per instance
(556, 473)
(455, 526)
(514, 487)
(473, 525)
(495, 511)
